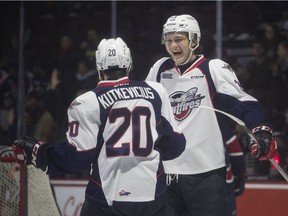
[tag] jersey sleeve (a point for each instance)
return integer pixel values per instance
(84, 122)
(153, 74)
(172, 142)
(226, 81)
(233, 97)
(80, 149)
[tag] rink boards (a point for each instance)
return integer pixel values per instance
(259, 198)
(263, 199)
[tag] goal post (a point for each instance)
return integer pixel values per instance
(40, 197)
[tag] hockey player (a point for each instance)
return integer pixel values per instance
(122, 129)
(197, 177)
(235, 166)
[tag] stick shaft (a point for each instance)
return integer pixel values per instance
(279, 168)
(252, 137)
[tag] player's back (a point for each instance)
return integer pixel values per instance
(129, 167)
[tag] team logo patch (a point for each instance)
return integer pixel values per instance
(183, 102)
(73, 104)
(124, 193)
(228, 67)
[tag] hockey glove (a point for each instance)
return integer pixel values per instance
(266, 147)
(29, 150)
(239, 185)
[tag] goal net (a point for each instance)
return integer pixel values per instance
(36, 200)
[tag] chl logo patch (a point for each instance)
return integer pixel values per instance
(166, 76)
(73, 104)
(228, 67)
(183, 102)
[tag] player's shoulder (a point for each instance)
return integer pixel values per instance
(219, 64)
(85, 96)
(161, 60)
(164, 63)
(83, 101)
(158, 87)
(154, 84)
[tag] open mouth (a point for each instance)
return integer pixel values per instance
(177, 54)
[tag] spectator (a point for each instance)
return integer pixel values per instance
(11, 52)
(8, 124)
(56, 103)
(38, 78)
(277, 95)
(8, 97)
(9, 82)
(39, 120)
(89, 45)
(67, 56)
(282, 61)
(66, 64)
(259, 72)
(86, 77)
(271, 39)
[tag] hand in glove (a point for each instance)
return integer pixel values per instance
(29, 150)
(266, 147)
(239, 185)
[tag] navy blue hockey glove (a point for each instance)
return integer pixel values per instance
(267, 146)
(239, 185)
(29, 150)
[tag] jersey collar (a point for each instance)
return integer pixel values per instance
(190, 66)
(113, 82)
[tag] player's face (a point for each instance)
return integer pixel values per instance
(177, 45)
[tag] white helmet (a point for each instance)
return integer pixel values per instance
(113, 53)
(182, 23)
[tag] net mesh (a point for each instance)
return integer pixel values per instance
(40, 197)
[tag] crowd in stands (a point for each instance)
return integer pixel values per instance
(59, 56)
(265, 76)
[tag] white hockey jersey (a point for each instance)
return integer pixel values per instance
(124, 129)
(207, 82)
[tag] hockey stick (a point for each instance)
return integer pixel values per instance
(252, 137)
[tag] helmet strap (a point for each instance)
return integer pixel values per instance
(191, 52)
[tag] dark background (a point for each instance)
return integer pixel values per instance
(139, 23)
